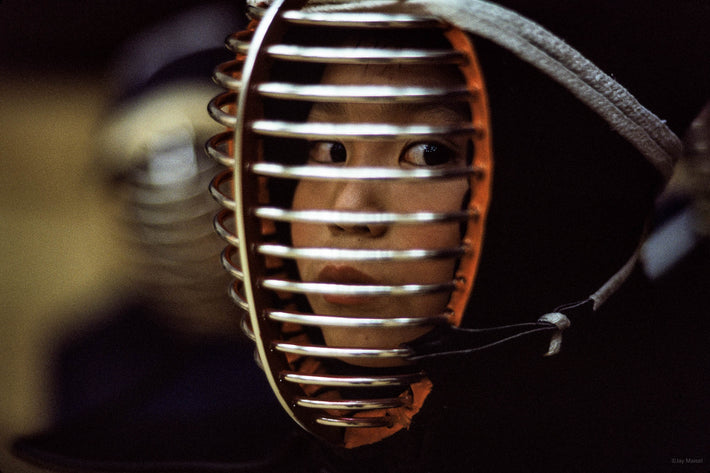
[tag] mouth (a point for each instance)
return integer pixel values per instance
(342, 274)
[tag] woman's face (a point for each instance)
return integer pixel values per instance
(383, 196)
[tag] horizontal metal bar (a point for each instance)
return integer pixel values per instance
(215, 109)
(226, 260)
(362, 218)
(323, 172)
(236, 297)
(355, 131)
(355, 422)
(221, 229)
(352, 381)
(214, 188)
(337, 321)
(239, 42)
(362, 93)
(229, 75)
(343, 254)
(353, 55)
(338, 352)
(364, 290)
(213, 148)
(361, 19)
(351, 404)
(255, 12)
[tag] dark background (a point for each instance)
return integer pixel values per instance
(75, 36)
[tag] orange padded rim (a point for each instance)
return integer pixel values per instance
(480, 182)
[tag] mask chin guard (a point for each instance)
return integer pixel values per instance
(320, 386)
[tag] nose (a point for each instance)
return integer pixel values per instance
(357, 196)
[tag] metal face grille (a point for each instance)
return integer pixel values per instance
(277, 185)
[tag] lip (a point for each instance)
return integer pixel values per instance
(343, 274)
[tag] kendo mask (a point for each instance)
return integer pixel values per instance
(361, 167)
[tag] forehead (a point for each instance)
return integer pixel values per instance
(392, 75)
(395, 74)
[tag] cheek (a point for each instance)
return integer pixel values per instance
(302, 199)
(300, 196)
(300, 234)
(429, 236)
(427, 271)
(425, 237)
(445, 196)
(438, 196)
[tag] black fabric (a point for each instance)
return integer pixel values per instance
(133, 394)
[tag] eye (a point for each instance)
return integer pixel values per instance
(428, 154)
(327, 152)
